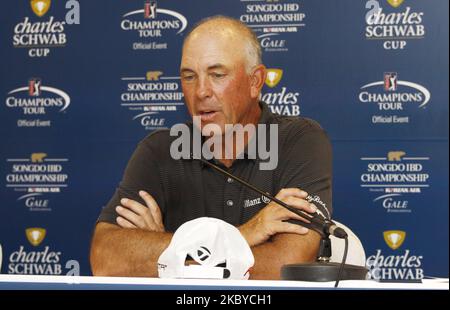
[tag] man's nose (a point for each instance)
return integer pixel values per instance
(204, 88)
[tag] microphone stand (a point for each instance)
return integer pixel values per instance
(322, 270)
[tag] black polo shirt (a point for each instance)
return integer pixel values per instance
(186, 189)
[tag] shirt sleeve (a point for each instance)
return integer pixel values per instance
(141, 173)
(308, 165)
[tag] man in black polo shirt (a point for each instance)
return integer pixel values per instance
(222, 76)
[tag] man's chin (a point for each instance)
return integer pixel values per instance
(212, 129)
(209, 127)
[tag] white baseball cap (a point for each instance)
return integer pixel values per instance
(218, 247)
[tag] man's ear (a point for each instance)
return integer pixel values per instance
(258, 77)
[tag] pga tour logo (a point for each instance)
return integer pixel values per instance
(152, 22)
(36, 99)
(394, 95)
(390, 81)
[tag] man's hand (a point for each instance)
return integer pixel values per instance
(269, 221)
(135, 215)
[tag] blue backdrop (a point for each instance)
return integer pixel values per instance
(78, 94)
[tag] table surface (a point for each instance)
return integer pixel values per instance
(86, 282)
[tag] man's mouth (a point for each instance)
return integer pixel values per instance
(207, 115)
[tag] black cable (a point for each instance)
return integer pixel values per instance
(342, 263)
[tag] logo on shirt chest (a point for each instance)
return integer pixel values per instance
(256, 201)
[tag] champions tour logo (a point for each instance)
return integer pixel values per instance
(35, 178)
(39, 260)
(272, 21)
(280, 100)
(397, 266)
(39, 34)
(36, 100)
(151, 98)
(395, 98)
(393, 23)
(395, 179)
(151, 24)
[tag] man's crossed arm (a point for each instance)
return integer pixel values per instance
(132, 247)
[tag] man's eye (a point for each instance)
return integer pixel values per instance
(218, 75)
(187, 77)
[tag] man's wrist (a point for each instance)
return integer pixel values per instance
(247, 234)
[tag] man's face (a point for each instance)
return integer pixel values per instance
(215, 83)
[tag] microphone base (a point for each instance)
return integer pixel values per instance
(322, 272)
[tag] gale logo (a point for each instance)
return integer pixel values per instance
(270, 42)
(40, 7)
(35, 202)
(394, 238)
(393, 203)
(35, 235)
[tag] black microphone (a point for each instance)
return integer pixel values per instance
(322, 270)
(323, 226)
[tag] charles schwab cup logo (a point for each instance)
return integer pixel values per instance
(40, 7)
(394, 238)
(151, 24)
(35, 179)
(36, 102)
(38, 259)
(151, 97)
(280, 99)
(394, 265)
(392, 23)
(273, 21)
(394, 99)
(40, 35)
(395, 179)
(35, 235)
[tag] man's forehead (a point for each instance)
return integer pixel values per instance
(211, 55)
(209, 62)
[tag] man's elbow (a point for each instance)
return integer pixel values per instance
(98, 264)
(100, 258)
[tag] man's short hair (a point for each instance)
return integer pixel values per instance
(252, 46)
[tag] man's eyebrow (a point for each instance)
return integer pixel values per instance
(211, 67)
(216, 66)
(183, 70)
